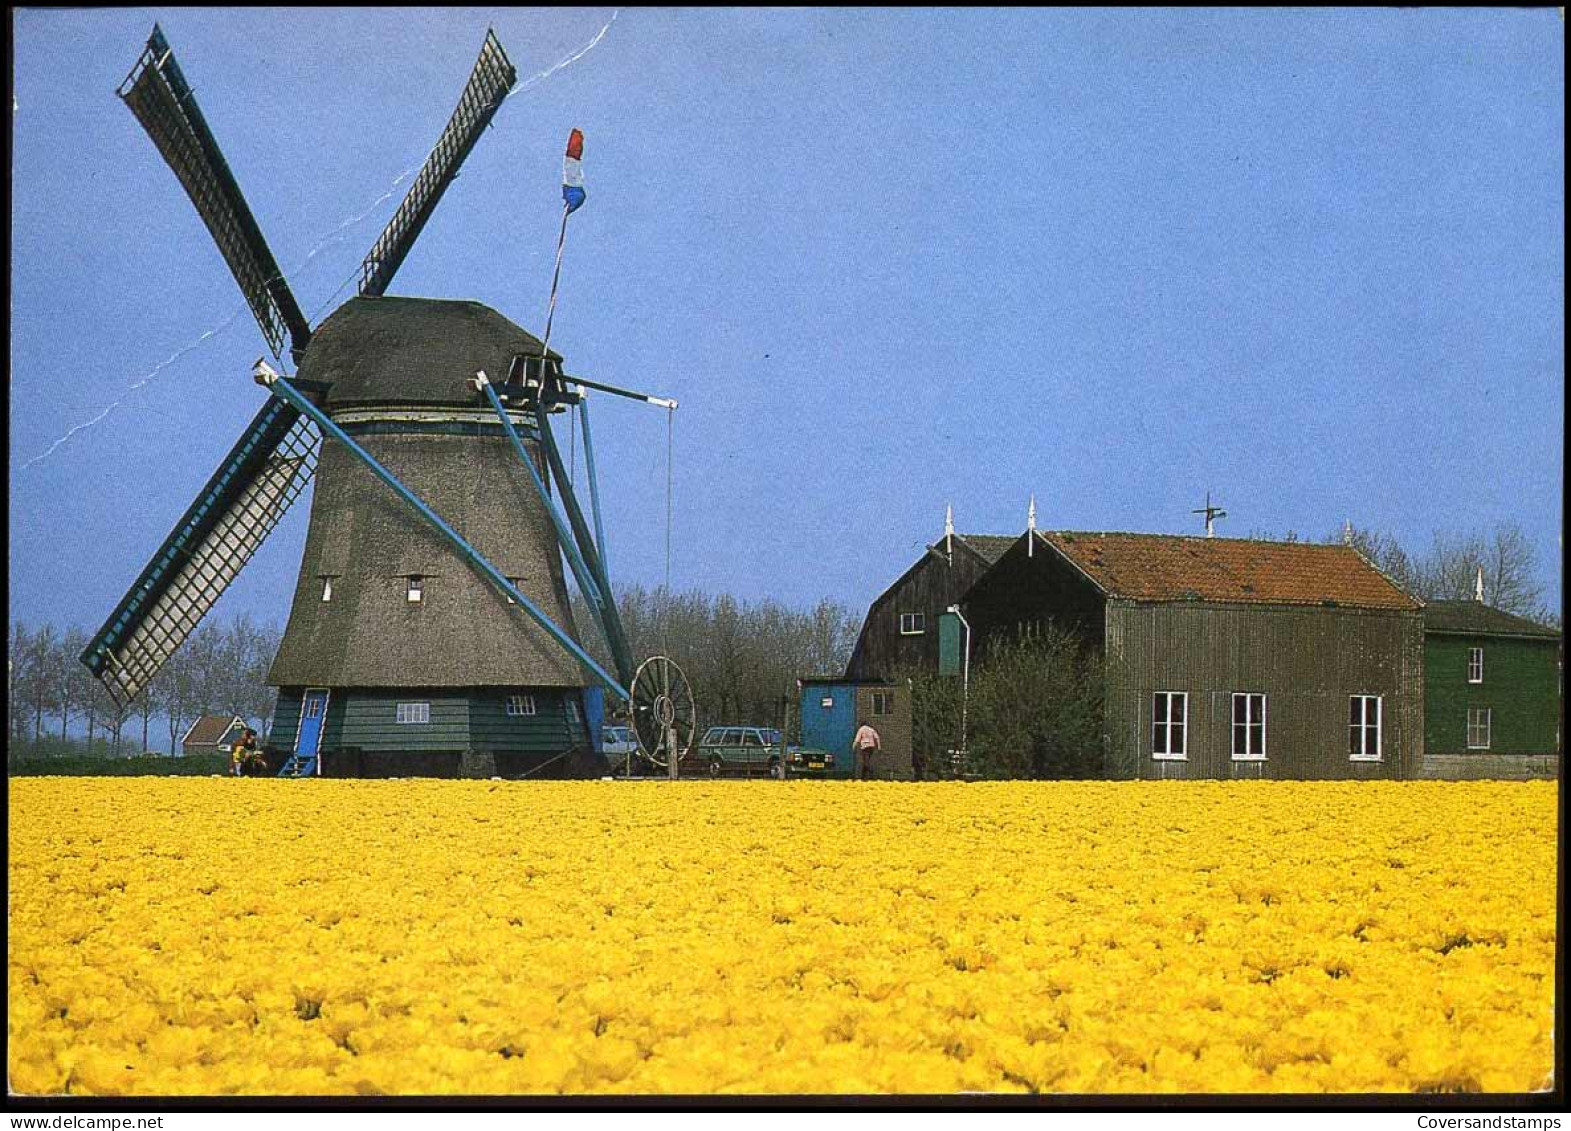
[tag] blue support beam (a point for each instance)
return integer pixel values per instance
(575, 560)
(282, 389)
(575, 515)
(594, 481)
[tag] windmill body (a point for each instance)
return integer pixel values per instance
(430, 631)
(393, 374)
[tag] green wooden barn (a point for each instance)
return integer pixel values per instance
(1492, 693)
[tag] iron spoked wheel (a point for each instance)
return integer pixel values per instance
(663, 708)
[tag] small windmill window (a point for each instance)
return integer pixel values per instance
(414, 712)
(516, 583)
(327, 588)
(518, 705)
(416, 589)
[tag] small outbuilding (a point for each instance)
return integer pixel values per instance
(212, 734)
(1492, 693)
(832, 710)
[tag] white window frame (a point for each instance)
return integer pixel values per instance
(881, 703)
(414, 714)
(574, 711)
(1182, 723)
(327, 587)
(1487, 727)
(416, 592)
(520, 706)
(1249, 722)
(1475, 665)
(1364, 728)
(917, 621)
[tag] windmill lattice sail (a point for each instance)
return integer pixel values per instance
(259, 480)
(157, 93)
(493, 76)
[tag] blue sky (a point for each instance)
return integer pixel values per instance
(1312, 261)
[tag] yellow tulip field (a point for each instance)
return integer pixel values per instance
(253, 936)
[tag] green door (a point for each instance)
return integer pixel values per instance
(949, 659)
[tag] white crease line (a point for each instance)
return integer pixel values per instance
(335, 236)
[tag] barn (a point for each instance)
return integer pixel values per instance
(1492, 693)
(908, 627)
(1226, 658)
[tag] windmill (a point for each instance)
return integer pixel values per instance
(430, 630)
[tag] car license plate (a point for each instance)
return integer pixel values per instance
(815, 765)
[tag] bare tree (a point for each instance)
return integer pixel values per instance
(1504, 555)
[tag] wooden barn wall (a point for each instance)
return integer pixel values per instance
(930, 588)
(1307, 661)
(893, 759)
(1032, 591)
(1521, 688)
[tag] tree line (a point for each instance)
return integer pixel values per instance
(742, 658)
(221, 669)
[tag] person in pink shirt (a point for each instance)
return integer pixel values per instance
(863, 747)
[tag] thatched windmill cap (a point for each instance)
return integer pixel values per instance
(411, 350)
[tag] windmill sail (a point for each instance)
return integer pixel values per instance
(159, 96)
(488, 84)
(263, 474)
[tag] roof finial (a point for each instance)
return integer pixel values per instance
(1211, 513)
(949, 532)
(1031, 527)
(1478, 587)
(1347, 533)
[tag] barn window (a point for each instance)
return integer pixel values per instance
(1249, 726)
(416, 588)
(881, 703)
(1475, 665)
(1169, 720)
(414, 712)
(1363, 727)
(520, 705)
(1478, 720)
(913, 624)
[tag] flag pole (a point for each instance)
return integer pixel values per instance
(556, 278)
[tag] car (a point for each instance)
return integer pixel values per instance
(752, 750)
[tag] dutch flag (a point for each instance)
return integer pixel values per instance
(573, 171)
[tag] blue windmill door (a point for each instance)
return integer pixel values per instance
(312, 711)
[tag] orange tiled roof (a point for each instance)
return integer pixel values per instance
(1166, 567)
